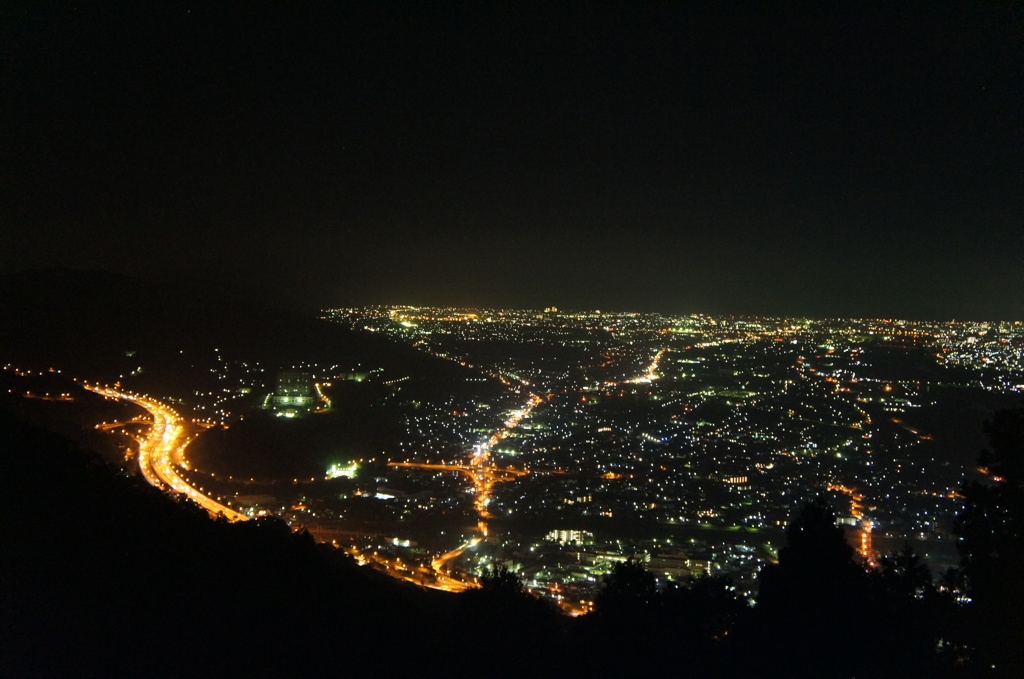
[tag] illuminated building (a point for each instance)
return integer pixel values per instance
(580, 537)
(294, 394)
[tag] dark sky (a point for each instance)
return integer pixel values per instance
(811, 159)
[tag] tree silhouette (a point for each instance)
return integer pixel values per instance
(501, 579)
(991, 530)
(918, 623)
(706, 608)
(515, 624)
(905, 573)
(1005, 455)
(813, 602)
(627, 590)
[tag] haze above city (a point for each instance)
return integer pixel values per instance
(851, 161)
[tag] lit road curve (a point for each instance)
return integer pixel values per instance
(159, 448)
(439, 565)
(418, 573)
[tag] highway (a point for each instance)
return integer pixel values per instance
(439, 566)
(163, 444)
(161, 447)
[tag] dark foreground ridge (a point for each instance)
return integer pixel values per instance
(105, 576)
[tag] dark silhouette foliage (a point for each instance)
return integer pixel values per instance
(501, 579)
(812, 603)
(628, 589)
(991, 530)
(822, 613)
(507, 629)
(920, 624)
(1005, 455)
(904, 573)
(639, 622)
(706, 610)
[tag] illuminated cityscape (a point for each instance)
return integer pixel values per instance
(588, 438)
(696, 427)
(564, 443)
(522, 339)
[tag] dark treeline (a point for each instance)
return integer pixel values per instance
(102, 575)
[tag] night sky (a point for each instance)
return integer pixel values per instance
(807, 159)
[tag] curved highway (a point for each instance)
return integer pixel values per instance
(158, 449)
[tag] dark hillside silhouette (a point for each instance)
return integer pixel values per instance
(105, 576)
(100, 325)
